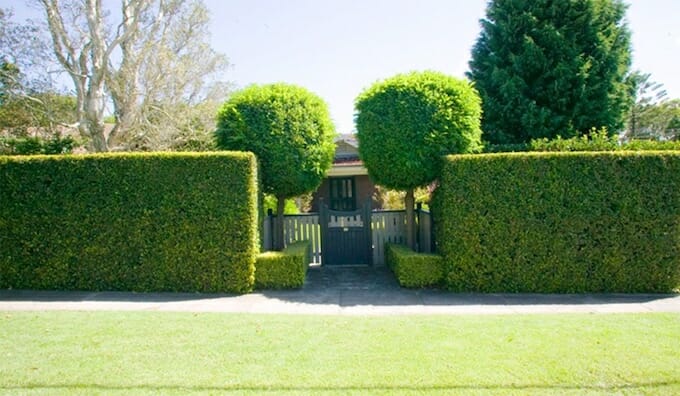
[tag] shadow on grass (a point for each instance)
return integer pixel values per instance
(652, 385)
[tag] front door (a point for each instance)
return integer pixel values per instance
(346, 237)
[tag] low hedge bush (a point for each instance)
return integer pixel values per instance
(560, 222)
(283, 270)
(139, 222)
(414, 269)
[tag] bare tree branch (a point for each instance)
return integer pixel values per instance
(62, 45)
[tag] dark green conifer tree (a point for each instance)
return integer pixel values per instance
(546, 68)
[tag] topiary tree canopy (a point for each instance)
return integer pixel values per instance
(406, 124)
(546, 68)
(290, 131)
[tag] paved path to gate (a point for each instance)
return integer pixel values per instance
(342, 291)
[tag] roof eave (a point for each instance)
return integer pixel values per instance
(339, 170)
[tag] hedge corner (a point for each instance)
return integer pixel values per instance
(415, 270)
(283, 270)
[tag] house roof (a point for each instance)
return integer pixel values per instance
(346, 149)
(348, 138)
(346, 161)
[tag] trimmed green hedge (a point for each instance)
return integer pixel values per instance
(140, 222)
(283, 270)
(596, 140)
(414, 269)
(560, 222)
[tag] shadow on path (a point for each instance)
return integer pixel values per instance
(361, 285)
(333, 290)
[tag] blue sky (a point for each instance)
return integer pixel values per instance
(337, 48)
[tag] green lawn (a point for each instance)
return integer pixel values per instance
(145, 352)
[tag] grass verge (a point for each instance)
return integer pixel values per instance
(178, 353)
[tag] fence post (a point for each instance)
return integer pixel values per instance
(368, 212)
(323, 230)
(433, 241)
(272, 233)
(419, 225)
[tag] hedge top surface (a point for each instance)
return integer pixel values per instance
(405, 124)
(549, 154)
(123, 155)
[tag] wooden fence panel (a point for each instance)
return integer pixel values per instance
(295, 228)
(386, 226)
(304, 227)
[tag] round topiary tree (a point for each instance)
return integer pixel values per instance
(290, 131)
(407, 123)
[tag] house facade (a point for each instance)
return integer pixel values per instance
(347, 186)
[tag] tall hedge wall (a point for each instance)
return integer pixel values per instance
(140, 222)
(560, 222)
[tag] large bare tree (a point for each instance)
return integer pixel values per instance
(154, 59)
(163, 89)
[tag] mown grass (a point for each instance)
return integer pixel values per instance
(178, 353)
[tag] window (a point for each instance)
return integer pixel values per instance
(343, 194)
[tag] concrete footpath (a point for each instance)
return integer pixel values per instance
(342, 291)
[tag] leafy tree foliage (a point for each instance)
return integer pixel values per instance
(9, 76)
(33, 122)
(290, 131)
(653, 115)
(546, 68)
(37, 113)
(394, 199)
(24, 57)
(269, 202)
(33, 114)
(407, 123)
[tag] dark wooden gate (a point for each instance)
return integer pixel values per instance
(346, 236)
